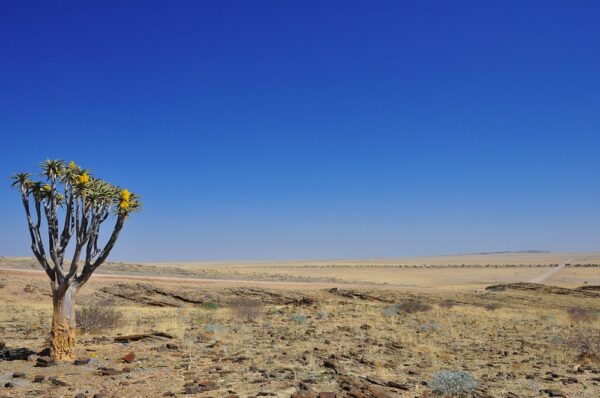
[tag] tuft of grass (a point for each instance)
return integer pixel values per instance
(98, 318)
(452, 383)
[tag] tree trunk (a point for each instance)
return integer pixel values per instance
(63, 325)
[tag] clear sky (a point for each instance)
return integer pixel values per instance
(313, 129)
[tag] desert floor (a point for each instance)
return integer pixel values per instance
(368, 328)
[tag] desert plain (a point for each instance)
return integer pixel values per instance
(521, 324)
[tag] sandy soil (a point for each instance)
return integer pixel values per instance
(310, 337)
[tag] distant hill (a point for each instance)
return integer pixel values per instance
(515, 252)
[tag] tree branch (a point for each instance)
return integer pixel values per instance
(89, 268)
(37, 246)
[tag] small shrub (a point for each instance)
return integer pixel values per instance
(298, 318)
(213, 328)
(98, 318)
(452, 383)
(412, 306)
(581, 315)
(492, 306)
(209, 305)
(322, 315)
(586, 342)
(407, 307)
(246, 308)
(557, 340)
(447, 304)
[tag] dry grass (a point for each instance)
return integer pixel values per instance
(98, 318)
(246, 308)
(511, 348)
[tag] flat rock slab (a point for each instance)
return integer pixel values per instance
(143, 336)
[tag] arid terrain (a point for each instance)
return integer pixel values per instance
(368, 328)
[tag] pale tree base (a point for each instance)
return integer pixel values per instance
(63, 326)
(63, 342)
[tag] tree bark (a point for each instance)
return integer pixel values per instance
(63, 324)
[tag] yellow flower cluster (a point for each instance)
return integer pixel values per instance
(125, 196)
(72, 165)
(47, 188)
(84, 179)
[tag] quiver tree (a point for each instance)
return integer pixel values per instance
(75, 205)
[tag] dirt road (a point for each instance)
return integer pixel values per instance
(548, 274)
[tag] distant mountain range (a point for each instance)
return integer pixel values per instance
(516, 252)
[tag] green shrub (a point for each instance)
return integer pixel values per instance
(322, 315)
(298, 318)
(213, 328)
(452, 383)
(209, 305)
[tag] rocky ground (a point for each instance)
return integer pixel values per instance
(197, 340)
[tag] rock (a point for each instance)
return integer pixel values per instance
(15, 354)
(328, 363)
(172, 346)
(82, 361)
(30, 289)
(207, 385)
(109, 372)
(303, 394)
(327, 394)
(511, 395)
(398, 386)
(144, 336)
(193, 389)
(99, 395)
(18, 375)
(44, 362)
(58, 382)
(39, 378)
(129, 358)
(169, 394)
(554, 393)
(9, 385)
(46, 352)
(80, 395)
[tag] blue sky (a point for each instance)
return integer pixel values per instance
(313, 129)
